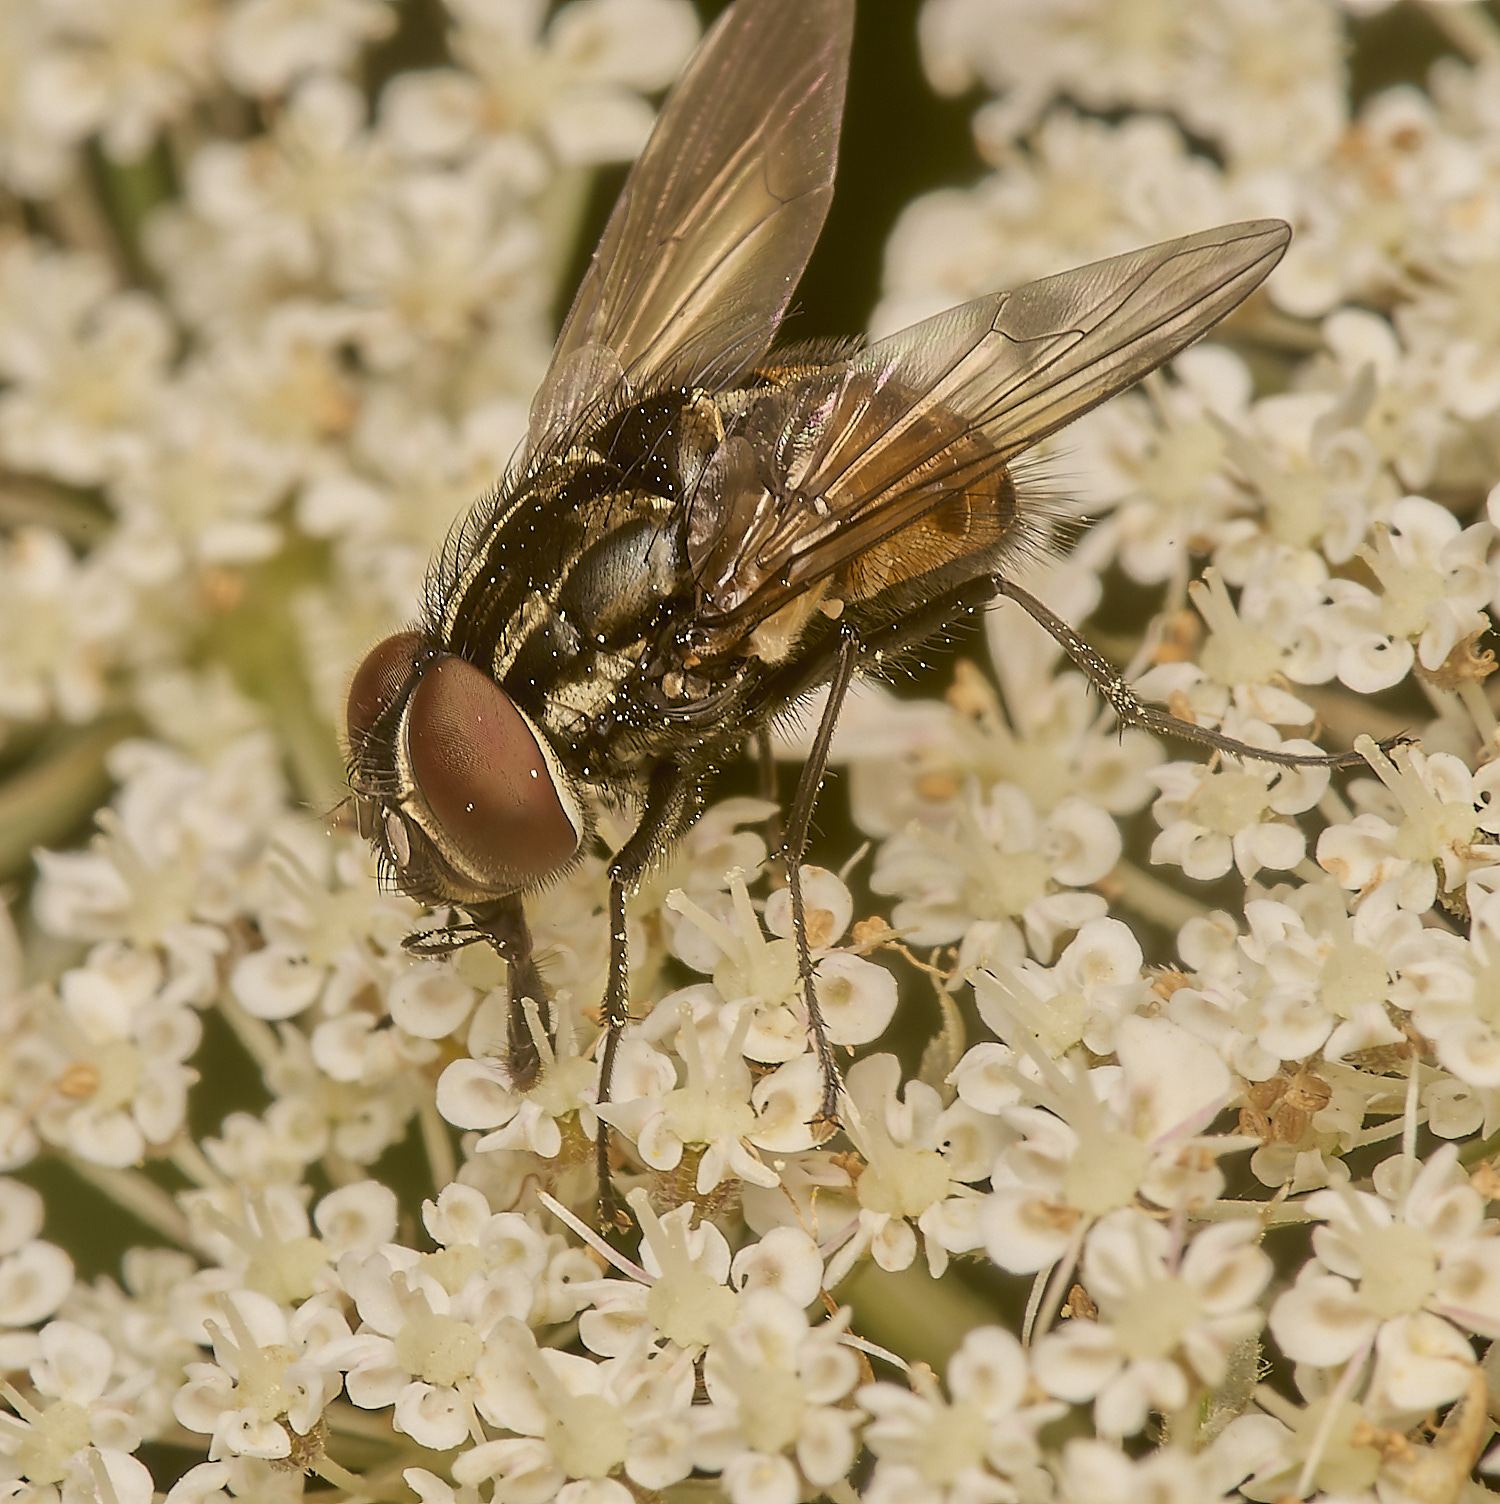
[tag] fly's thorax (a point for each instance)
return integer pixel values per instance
(575, 585)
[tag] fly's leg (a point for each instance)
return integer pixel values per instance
(1131, 712)
(503, 924)
(511, 936)
(974, 595)
(794, 846)
(672, 802)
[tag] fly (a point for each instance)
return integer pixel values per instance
(701, 531)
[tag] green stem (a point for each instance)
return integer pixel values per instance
(1470, 28)
(438, 1145)
(44, 803)
(326, 1468)
(194, 1164)
(140, 1196)
(1150, 897)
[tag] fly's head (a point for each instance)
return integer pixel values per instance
(461, 794)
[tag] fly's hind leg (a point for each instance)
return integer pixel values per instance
(974, 595)
(1129, 710)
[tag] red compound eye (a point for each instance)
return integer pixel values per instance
(478, 766)
(380, 681)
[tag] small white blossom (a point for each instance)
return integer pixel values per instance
(921, 1159)
(1165, 1315)
(54, 1442)
(995, 860)
(266, 44)
(775, 1423)
(35, 1275)
(1390, 1267)
(980, 1443)
(1435, 582)
(1431, 843)
(269, 1382)
(1212, 817)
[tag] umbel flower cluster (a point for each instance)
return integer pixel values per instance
(1187, 1197)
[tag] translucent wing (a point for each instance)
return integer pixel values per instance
(871, 446)
(718, 216)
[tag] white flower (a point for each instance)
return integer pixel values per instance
(1439, 808)
(269, 1382)
(1157, 462)
(715, 1107)
(1251, 651)
(1404, 419)
(578, 85)
(774, 1423)
(73, 1423)
(434, 254)
(140, 66)
(35, 1276)
(44, 108)
(1214, 816)
(1435, 582)
(575, 1418)
(87, 380)
(920, 1160)
(200, 495)
(413, 471)
(912, 760)
(331, 933)
(135, 1317)
(1164, 1314)
(1360, 209)
(1102, 1137)
(1096, 981)
(60, 625)
(266, 44)
(761, 977)
(479, 1091)
(1268, 104)
(1453, 996)
(1098, 1472)
(1083, 189)
(429, 1320)
(1324, 980)
(1224, 68)
(123, 1041)
(980, 1444)
(1317, 476)
(1407, 1269)
(678, 1293)
(171, 845)
(1346, 1461)
(996, 860)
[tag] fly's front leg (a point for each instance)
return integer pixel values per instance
(503, 924)
(794, 846)
(671, 802)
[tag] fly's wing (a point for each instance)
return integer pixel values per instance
(934, 413)
(718, 216)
